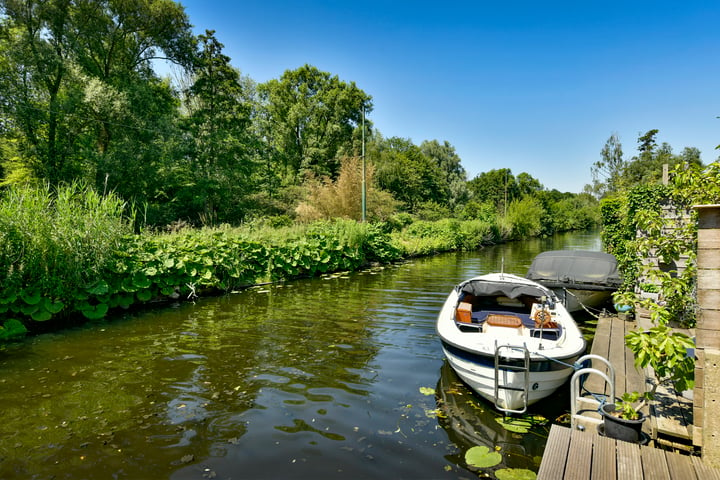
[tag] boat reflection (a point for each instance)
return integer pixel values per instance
(471, 421)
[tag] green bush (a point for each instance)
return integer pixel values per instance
(524, 218)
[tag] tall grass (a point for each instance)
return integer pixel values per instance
(57, 241)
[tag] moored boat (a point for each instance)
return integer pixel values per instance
(509, 339)
(581, 279)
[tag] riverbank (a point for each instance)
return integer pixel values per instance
(73, 254)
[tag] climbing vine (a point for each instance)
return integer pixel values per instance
(657, 220)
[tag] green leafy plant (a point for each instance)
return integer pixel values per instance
(650, 288)
(666, 352)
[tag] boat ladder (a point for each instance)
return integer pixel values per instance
(584, 407)
(506, 365)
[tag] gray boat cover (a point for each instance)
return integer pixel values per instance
(484, 288)
(575, 268)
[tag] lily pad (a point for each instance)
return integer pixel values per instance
(516, 425)
(515, 474)
(427, 391)
(482, 457)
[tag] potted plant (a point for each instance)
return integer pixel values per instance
(667, 353)
(623, 419)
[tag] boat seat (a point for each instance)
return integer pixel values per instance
(463, 314)
(498, 320)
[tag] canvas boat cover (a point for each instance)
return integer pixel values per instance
(575, 268)
(487, 288)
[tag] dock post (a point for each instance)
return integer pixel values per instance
(706, 431)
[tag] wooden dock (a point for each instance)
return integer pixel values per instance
(669, 415)
(572, 454)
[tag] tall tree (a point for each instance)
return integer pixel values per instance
(79, 84)
(444, 156)
(410, 176)
(497, 187)
(308, 115)
(607, 171)
(220, 144)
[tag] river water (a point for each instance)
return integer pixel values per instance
(335, 377)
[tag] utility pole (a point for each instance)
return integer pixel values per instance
(364, 203)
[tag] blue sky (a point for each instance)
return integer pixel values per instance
(536, 87)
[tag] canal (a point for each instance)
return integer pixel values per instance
(335, 377)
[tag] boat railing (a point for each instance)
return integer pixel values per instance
(578, 416)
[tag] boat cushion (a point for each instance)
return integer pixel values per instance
(498, 320)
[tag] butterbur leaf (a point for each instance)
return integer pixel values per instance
(144, 295)
(12, 329)
(31, 298)
(53, 307)
(41, 315)
(100, 288)
(141, 281)
(94, 312)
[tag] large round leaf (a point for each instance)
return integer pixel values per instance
(482, 457)
(515, 474)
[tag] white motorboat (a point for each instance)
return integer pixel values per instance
(509, 339)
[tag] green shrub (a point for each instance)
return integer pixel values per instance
(524, 218)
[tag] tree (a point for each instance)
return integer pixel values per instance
(411, 177)
(607, 171)
(496, 186)
(79, 90)
(307, 117)
(646, 142)
(647, 167)
(220, 145)
(528, 185)
(448, 161)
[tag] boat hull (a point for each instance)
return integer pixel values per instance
(478, 372)
(576, 300)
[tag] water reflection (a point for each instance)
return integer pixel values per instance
(315, 378)
(470, 421)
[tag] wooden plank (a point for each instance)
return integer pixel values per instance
(654, 464)
(617, 355)
(604, 463)
(579, 458)
(705, 472)
(552, 466)
(634, 378)
(680, 466)
(670, 411)
(601, 347)
(629, 464)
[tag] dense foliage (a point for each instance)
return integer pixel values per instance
(70, 253)
(666, 223)
(81, 99)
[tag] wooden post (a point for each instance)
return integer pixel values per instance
(706, 432)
